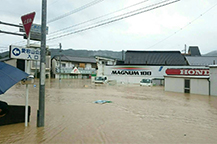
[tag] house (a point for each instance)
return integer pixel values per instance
(73, 67)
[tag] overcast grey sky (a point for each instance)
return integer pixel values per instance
(190, 22)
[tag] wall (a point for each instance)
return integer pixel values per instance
(199, 86)
(174, 84)
(213, 81)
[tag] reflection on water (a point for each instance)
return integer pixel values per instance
(136, 115)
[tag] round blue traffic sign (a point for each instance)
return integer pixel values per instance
(16, 52)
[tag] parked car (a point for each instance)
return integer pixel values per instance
(101, 80)
(146, 82)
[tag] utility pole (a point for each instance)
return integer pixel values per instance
(60, 62)
(40, 116)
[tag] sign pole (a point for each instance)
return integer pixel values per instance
(41, 110)
(27, 86)
(27, 23)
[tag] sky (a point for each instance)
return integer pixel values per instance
(117, 25)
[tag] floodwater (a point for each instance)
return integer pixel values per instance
(136, 115)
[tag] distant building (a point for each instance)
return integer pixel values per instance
(73, 67)
(194, 51)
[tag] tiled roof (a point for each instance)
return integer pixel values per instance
(201, 60)
(76, 59)
(154, 58)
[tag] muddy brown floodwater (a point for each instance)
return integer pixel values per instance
(136, 115)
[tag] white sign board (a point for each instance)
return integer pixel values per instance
(35, 28)
(25, 53)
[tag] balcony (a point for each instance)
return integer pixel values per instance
(81, 70)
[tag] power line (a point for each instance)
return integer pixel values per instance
(76, 10)
(134, 11)
(117, 18)
(99, 17)
(183, 27)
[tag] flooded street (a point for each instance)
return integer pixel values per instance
(136, 115)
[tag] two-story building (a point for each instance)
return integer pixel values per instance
(73, 67)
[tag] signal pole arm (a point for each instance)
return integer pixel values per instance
(12, 33)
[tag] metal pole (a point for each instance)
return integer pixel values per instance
(60, 63)
(40, 116)
(27, 87)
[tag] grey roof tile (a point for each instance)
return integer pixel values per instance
(155, 58)
(201, 60)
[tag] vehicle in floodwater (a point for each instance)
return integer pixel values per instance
(101, 80)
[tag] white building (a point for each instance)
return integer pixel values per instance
(213, 80)
(102, 62)
(194, 81)
(134, 74)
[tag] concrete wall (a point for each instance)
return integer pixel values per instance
(199, 86)
(213, 81)
(174, 84)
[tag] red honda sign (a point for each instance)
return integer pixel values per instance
(195, 72)
(27, 21)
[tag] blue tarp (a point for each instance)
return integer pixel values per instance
(9, 76)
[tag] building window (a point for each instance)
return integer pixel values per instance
(187, 86)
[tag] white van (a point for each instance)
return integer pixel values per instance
(146, 82)
(101, 80)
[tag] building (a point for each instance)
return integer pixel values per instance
(193, 51)
(145, 64)
(73, 67)
(102, 62)
(201, 60)
(162, 58)
(213, 80)
(194, 81)
(34, 66)
(188, 80)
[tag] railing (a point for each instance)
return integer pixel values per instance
(81, 70)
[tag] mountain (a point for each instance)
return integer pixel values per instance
(79, 53)
(87, 53)
(212, 53)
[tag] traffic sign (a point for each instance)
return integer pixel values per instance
(25, 53)
(35, 28)
(27, 21)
